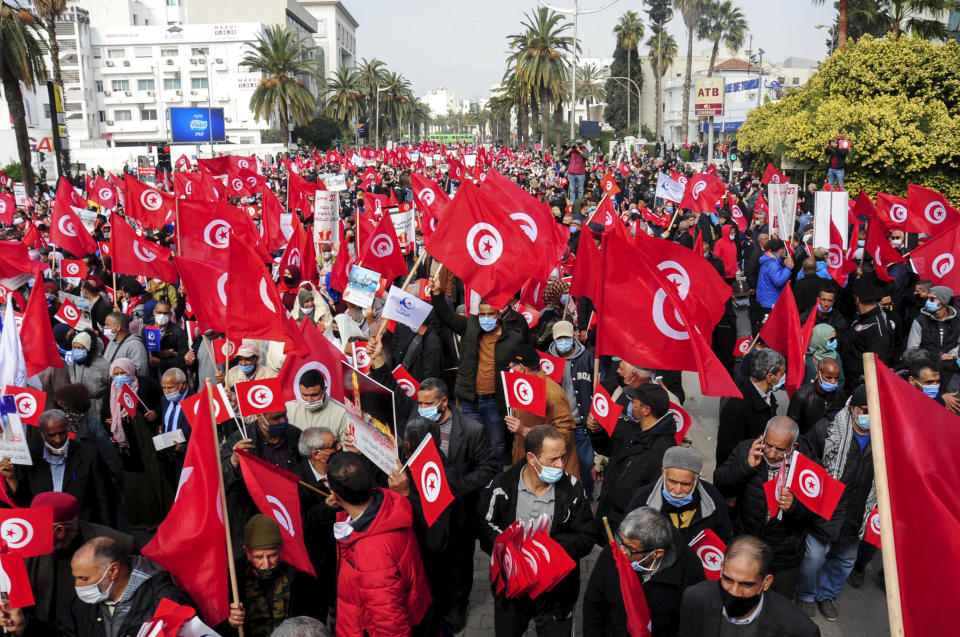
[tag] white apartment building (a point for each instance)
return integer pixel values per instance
(335, 35)
(440, 101)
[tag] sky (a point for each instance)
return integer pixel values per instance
(461, 44)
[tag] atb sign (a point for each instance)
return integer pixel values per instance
(708, 97)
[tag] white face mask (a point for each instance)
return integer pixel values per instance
(57, 451)
(316, 405)
(161, 319)
(110, 334)
(91, 593)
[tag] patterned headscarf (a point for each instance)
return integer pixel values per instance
(553, 292)
(116, 407)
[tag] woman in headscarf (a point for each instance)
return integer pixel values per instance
(291, 279)
(556, 295)
(726, 249)
(147, 493)
(89, 368)
(823, 344)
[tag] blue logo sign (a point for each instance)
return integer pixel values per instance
(192, 125)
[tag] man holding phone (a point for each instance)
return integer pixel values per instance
(837, 151)
(576, 168)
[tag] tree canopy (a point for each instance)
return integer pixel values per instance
(897, 100)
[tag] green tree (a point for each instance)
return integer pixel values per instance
(692, 11)
(843, 19)
(615, 112)
(279, 55)
(343, 95)
(663, 49)
(918, 17)
(21, 60)
(590, 84)
(723, 21)
(320, 132)
(629, 30)
(897, 100)
(539, 56)
(373, 74)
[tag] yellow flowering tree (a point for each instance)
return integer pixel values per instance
(898, 101)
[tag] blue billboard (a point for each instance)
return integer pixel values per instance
(192, 125)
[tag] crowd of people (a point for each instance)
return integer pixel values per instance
(380, 568)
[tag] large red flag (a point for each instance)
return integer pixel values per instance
(880, 249)
(39, 348)
(382, 251)
(702, 193)
(132, 254)
(921, 467)
(66, 230)
(774, 175)
(634, 600)
(429, 195)
(892, 210)
(321, 355)
(479, 243)
(191, 540)
(104, 193)
(151, 207)
(588, 269)
(257, 310)
(652, 325)
(274, 491)
(782, 332)
(936, 259)
(929, 211)
(606, 215)
(525, 391)
(271, 235)
(431, 480)
(206, 284)
(206, 230)
(836, 258)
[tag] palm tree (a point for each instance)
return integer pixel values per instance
(692, 11)
(539, 59)
(843, 18)
(373, 74)
(629, 31)
(397, 94)
(278, 56)
(663, 49)
(418, 114)
(21, 60)
(343, 95)
(907, 15)
(518, 97)
(722, 21)
(591, 84)
(49, 12)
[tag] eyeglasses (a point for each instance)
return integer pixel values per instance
(770, 447)
(631, 552)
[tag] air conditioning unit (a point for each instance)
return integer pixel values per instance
(126, 62)
(109, 62)
(223, 98)
(193, 60)
(201, 60)
(150, 93)
(219, 60)
(108, 93)
(128, 93)
(169, 62)
(179, 92)
(194, 93)
(109, 122)
(227, 119)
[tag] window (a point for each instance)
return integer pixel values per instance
(97, 53)
(99, 86)
(146, 85)
(171, 3)
(136, 19)
(171, 83)
(122, 116)
(148, 114)
(200, 51)
(115, 54)
(102, 115)
(168, 53)
(198, 82)
(120, 85)
(142, 51)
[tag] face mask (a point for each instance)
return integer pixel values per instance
(861, 243)
(863, 421)
(573, 229)
(825, 311)
(732, 237)
(315, 405)
(742, 302)
(640, 568)
(896, 243)
(832, 345)
(430, 413)
(564, 298)
(161, 319)
(121, 380)
(174, 397)
(246, 369)
(738, 606)
(79, 354)
(783, 380)
(110, 334)
(50, 298)
(306, 310)
(564, 344)
(828, 387)
(277, 429)
(677, 501)
(931, 306)
(288, 280)
(549, 475)
(488, 323)
(91, 593)
(630, 415)
(931, 390)
(57, 451)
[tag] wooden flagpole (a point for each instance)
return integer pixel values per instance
(889, 552)
(223, 504)
(406, 282)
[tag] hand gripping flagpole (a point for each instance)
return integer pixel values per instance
(889, 552)
(223, 504)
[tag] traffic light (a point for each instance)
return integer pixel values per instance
(163, 156)
(733, 150)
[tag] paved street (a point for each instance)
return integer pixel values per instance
(863, 612)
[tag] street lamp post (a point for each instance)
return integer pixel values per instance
(623, 77)
(833, 35)
(573, 72)
(379, 90)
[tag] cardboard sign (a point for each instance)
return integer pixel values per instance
(362, 286)
(326, 217)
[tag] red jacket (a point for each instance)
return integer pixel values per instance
(727, 251)
(381, 587)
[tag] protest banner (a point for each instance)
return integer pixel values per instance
(326, 217)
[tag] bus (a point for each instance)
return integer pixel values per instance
(452, 138)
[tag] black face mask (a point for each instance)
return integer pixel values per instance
(738, 606)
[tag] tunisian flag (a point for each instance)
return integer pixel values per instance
(928, 210)
(893, 212)
(206, 284)
(604, 410)
(880, 249)
(813, 486)
(132, 254)
(39, 348)
(146, 204)
(66, 231)
(428, 195)
(321, 355)
(431, 480)
(382, 251)
(774, 175)
(274, 491)
(104, 194)
(702, 193)
(782, 333)
(653, 324)
(525, 391)
(191, 540)
(936, 259)
(921, 469)
(479, 243)
(635, 602)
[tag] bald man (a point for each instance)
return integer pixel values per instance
(824, 396)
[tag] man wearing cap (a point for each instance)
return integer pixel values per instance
(842, 447)
(525, 360)
(644, 432)
(689, 502)
(49, 574)
(578, 386)
(248, 365)
(936, 328)
(270, 590)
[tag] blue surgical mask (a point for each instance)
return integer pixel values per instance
(828, 387)
(832, 345)
(488, 323)
(549, 475)
(277, 429)
(630, 415)
(79, 354)
(783, 380)
(863, 421)
(573, 229)
(931, 390)
(246, 369)
(677, 502)
(825, 311)
(564, 344)
(430, 413)
(121, 380)
(564, 298)
(931, 306)
(174, 397)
